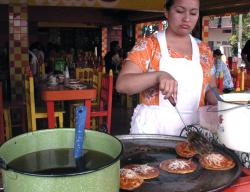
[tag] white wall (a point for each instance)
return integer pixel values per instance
(217, 36)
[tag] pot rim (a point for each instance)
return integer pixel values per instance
(7, 168)
(235, 102)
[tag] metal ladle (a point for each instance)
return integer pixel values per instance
(172, 101)
(195, 138)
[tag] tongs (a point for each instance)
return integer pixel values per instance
(195, 138)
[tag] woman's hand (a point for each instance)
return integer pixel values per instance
(167, 85)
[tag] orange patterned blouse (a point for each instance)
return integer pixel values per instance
(146, 54)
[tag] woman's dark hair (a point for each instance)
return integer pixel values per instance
(169, 4)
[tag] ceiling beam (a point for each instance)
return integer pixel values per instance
(215, 7)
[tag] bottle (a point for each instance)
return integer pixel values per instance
(237, 89)
(242, 88)
(220, 84)
(66, 75)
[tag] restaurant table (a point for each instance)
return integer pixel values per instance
(50, 94)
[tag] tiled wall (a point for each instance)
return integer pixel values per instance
(18, 48)
(104, 41)
(205, 28)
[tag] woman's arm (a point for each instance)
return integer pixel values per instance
(132, 80)
(210, 98)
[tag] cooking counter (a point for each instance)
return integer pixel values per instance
(160, 147)
(242, 184)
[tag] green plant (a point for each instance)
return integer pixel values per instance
(245, 31)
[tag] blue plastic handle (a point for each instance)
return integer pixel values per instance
(79, 132)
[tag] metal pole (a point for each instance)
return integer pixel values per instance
(240, 40)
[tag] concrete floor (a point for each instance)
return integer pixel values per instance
(120, 119)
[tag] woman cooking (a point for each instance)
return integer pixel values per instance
(171, 65)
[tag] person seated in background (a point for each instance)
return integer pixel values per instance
(220, 66)
(37, 57)
(112, 58)
(33, 62)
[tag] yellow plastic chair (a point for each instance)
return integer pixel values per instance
(32, 112)
(104, 110)
(91, 76)
(41, 71)
(96, 78)
(7, 123)
(97, 83)
(85, 74)
(5, 119)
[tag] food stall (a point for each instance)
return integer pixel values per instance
(19, 40)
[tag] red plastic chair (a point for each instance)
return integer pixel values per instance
(104, 109)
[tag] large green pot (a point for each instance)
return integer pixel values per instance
(105, 179)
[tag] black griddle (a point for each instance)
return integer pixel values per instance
(152, 149)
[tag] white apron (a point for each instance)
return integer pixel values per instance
(163, 119)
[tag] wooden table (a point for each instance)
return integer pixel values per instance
(61, 93)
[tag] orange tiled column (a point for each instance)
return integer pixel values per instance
(205, 27)
(104, 41)
(18, 47)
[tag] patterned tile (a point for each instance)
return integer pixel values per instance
(24, 16)
(18, 46)
(23, 37)
(17, 36)
(18, 50)
(104, 41)
(16, 8)
(17, 29)
(16, 22)
(24, 49)
(24, 23)
(17, 57)
(205, 24)
(18, 62)
(16, 18)
(24, 44)
(24, 30)
(25, 57)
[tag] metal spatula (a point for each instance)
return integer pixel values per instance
(195, 138)
(172, 101)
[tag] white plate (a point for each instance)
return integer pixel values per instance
(73, 81)
(52, 83)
